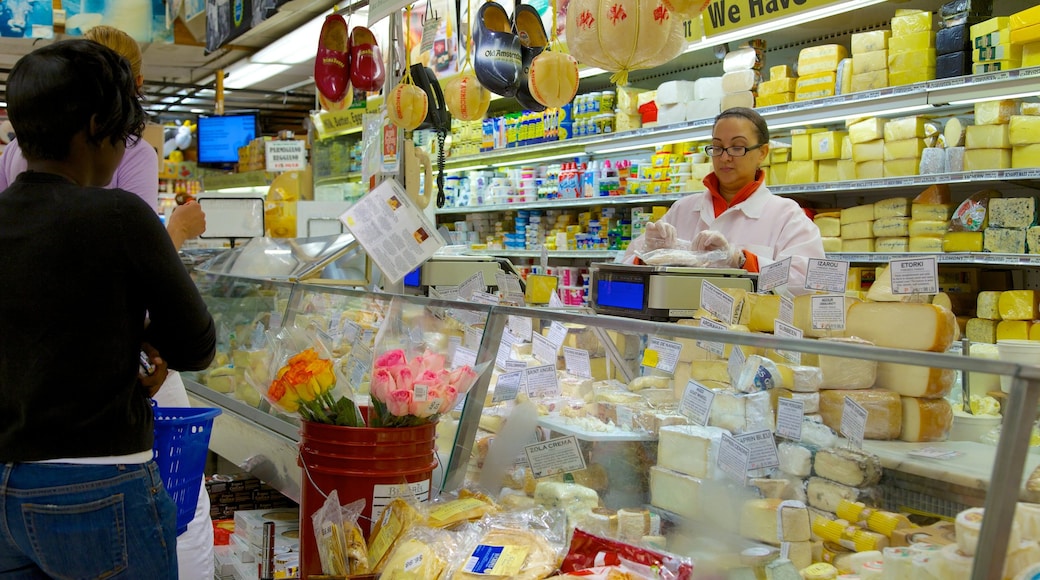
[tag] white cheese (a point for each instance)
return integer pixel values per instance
(690, 449)
(850, 466)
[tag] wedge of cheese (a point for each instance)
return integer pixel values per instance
(850, 466)
(921, 326)
(676, 492)
(926, 420)
(690, 449)
(1019, 305)
(915, 381)
(826, 495)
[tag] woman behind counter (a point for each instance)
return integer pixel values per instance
(738, 214)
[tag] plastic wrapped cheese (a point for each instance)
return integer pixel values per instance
(847, 373)
(915, 381)
(742, 412)
(870, 41)
(922, 326)
(690, 449)
(987, 137)
(825, 494)
(995, 112)
(884, 411)
(818, 59)
(1019, 305)
(850, 466)
(795, 459)
(926, 420)
(892, 207)
(740, 80)
(905, 128)
(891, 227)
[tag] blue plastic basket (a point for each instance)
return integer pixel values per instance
(181, 445)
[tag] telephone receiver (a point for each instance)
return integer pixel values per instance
(437, 115)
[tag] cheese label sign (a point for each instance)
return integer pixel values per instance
(854, 422)
(555, 456)
(773, 275)
(827, 275)
(915, 276)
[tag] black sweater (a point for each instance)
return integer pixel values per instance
(79, 269)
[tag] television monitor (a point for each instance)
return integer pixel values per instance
(219, 137)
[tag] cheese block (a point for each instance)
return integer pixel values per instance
(868, 62)
(924, 326)
(915, 381)
(739, 80)
(915, 43)
(777, 86)
(742, 412)
(869, 129)
(810, 401)
(872, 41)
(415, 558)
(995, 112)
(832, 244)
(857, 246)
(954, 132)
(927, 228)
(908, 22)
(758, 520)
(931, 211)
(820, 59)
(774, 99)
(1030, 108)
(1025, 156)
(988, 305)
(1033, 240)
(1012, 212)
(780, 71)
(905, 128)
(815, 86)
(925, 244)
(1019, 305)
(1004, 241)
(850, 466)
(538, 561)
(987, 137)
(933, 195)
(888, 227)
(892, 244)
(902, 167)
(800, 378)
(981, 330)
(763, 310)
(892, 208)
(676, 492)
(962, 242)
(847, 373)
(826, 495)
(926, 420)
(827, 144)
(795, 459)
(829, 226)
(690, 449)
(801, 172)
(884, 411)
(870, 169)
(869, 81)
(859, 213)
(802, 317)
(1013, 330)
(857, 230)
(912, 75)
(794, 522)
(868, 151)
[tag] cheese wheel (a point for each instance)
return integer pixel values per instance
(953, 132)
(841, 372)
(915, 381)
(853, 467)
(926, 420)
(884, 411)
(920, 326)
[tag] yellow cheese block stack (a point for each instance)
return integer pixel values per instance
(1024, 35)
(1011, 314)
(929, 219)
(1024, 137)
(857, 228)
(818, 71)
(803, 167)
(867, 137)
(892, 225)
(904, 142)
(830, 230)
(987, 143)
(870, 60)
(911, 48)
(779, 88)
(993, 50)
(827, 148)
(1011, 221)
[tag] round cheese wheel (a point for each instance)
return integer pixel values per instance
(466, 98)
(553, 78)
(407, 106)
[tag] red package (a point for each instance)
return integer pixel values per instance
(588, 551)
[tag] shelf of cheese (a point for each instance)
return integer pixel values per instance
(966, 258)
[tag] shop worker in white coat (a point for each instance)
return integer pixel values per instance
(738, 213)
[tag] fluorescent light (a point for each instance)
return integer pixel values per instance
(538, 159)
(251, 74)
(621, 149)
(467, 167)
(996, 98)
(295, 47)
(590, 72)
(837, 118)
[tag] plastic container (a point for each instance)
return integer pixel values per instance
(367, 463)
(180, 449)
(1023, 352)
(972, 427)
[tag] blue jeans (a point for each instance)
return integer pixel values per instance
(60, 520)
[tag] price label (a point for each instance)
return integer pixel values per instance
(515, 365)
(554, 457)
(474, 283)
(915, 276)
(542, 382)
(520, 326)
(554, 300)
(543, 349)
(781, 328)
(444, 292)
(464, 356)
(717, 302)
(349, 331)
(789, 416)
(762, 445)
(662, 354)
(578, 362)
(773, 275)
(484, 298)
(735, 364)
(696, 402)
(733, 457)
(786, 310)
(557, 333)
(474, 335)
(429, 33)
(827, 275)
(935, 453)
(505, 348)
(507, 387)
(507, 283)
(854, 422)
(827, 312)
(717, 348)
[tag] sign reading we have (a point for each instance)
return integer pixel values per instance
(729, 15)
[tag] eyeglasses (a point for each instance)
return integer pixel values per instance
(735, 151)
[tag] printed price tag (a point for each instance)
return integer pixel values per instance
(762, 445)
(507, 387)
(348, 331)
(827, 311)
(735, 363)
(507, 283)
(464, 356)
(773, 275)
(717, 302)
(520, 326)
(445, 292)
(474, 283)
(827, 275)
(915, 276)
(662, 354)
(454, 343)
(854, 422)
(786, 309)
(505, 349)
(514, 298)
(789, 416)
(733, 457)
(555, 456)
(429, 34)
(578, 362)
(935, 453)
(717, 348)
(696, 402)
(557, 333)
(484, 298)
(515, 365)
(542, 382)
(554, 300)
(781, 328)
(543, 349)
(474, 335)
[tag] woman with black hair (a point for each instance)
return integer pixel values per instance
(79, 493)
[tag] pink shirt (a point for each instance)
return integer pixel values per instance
(138, 172)
(771, 227)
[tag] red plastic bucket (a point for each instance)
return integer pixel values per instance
(374, 464)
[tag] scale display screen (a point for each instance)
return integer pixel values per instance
(616, 294)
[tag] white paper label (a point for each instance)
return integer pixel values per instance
(505, 348)
(717, 348)
(542, 382)
(717, 302)
(853, 422)
(578, 362)
(474, 283)
(543, 349)
(827, 311)
(773, 275)
(762, 445)
(935, 453)
(733, 457)
(507, 387)
(429, 34)
(661, 354)
(484, 298)
(445, 292)
(915, 276)
(783, 329)
(735, 363)
(520, 326)
(554, 300)
(464, 356)
(473, 336)
(789, 416)
(454, 343)
(786, 309)
(557, 334)
(514, 365)
(507, 283)
(827, 275)
(696, 402)
(514, 298)
(555, 456)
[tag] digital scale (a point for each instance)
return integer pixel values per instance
(452, 270)
(660, 293)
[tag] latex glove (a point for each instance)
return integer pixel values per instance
(659, 235)
(711, 240)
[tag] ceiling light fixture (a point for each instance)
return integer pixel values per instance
(249, 74)
(293, 48)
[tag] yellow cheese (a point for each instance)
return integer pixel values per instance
(892, 207)
(962, 242)
(1034, 332)
(889, 227)
(1000, 51)
(916, 42)
(847, 170)
(857, 246)
(925, 244)
(868, 151)
(829, 226)
(931, 211)
(827, 144)
(987, 305)
(909, 23)
(1024, 130)
(870, 169)
(902, 167)
(827, 171)
(801, 172)
(988, 137)
(1030, 56)
(1025, 156)
(905, 128)
(953, 132)
(802, 317)
(1019, 304)
(859, 213)
(980, 159)
(995, 112)
(1013, 329)
(1033, 240)
(914, 381)
(926, 420)
(764, 310)
(982, 330)
(774, 86)
(884, 410)
(904, 148)
(1025, 18)
(869, 81)
(908, 77)
(923, 326)
(1004, 241)
(870, 129)
(818, 59)
(891, 244)
(832, 244)
(928, 228)
(872, 41)
(990, 26)
(780, 71)
(815, 86)
(801, 147)
(1025, 35)
(910, 59)
(775, 99)
(857, 230)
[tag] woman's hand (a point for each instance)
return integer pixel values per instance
(151, 382)
(187, 222)
(659, 235)
(711, 240)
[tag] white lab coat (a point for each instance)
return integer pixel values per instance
(771, 227)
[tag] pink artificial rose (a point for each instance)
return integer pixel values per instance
(433, 361)
(450, 396)
(398, 402)
(383, 384)
(462, 378)
(390, 358)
